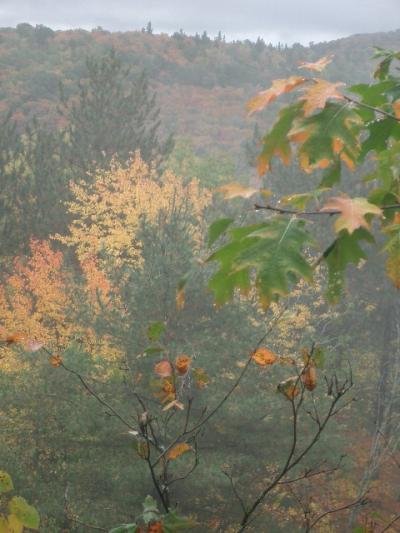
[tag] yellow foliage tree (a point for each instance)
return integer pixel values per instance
(108, 212)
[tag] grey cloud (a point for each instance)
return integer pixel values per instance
(284, 20)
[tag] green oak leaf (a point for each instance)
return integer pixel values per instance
(272, 250)
(217, 228)
(336, 123)
(342, 252)
(276, 142)
(380, 133)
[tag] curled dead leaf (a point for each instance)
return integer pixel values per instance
(289, 388)
(174, 403)
(163, 368)
(182, 364)
(178, 450)
(309, 377)
(264, 357)
(167, 390)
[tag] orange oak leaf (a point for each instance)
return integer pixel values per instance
(182, 364)
(163, 368)
(317, 66)
(178, 450)
(351, 212)
(264, 98)
(317, 94)
(55, 360)
(264, 357)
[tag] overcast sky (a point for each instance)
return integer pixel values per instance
(287, 21)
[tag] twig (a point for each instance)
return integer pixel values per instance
(327, 212)
(386, 528)
(235, 492)
(359, 502)
(68, 514)
(334, 388)
(371, 108)
(204, 420)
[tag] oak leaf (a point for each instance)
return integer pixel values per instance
(317, 66)
(163, 368)
(352, 212)
(264, 357)
(178, 450)
(279, 87)
(316, 96)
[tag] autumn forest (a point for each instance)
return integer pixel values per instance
(199, 285)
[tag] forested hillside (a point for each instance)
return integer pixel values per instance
(202, 84)
(200, 265)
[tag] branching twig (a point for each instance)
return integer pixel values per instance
(357, 503)
(235, 492)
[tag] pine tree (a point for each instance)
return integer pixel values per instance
(113, 115)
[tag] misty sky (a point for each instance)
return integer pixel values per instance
(287, 21)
